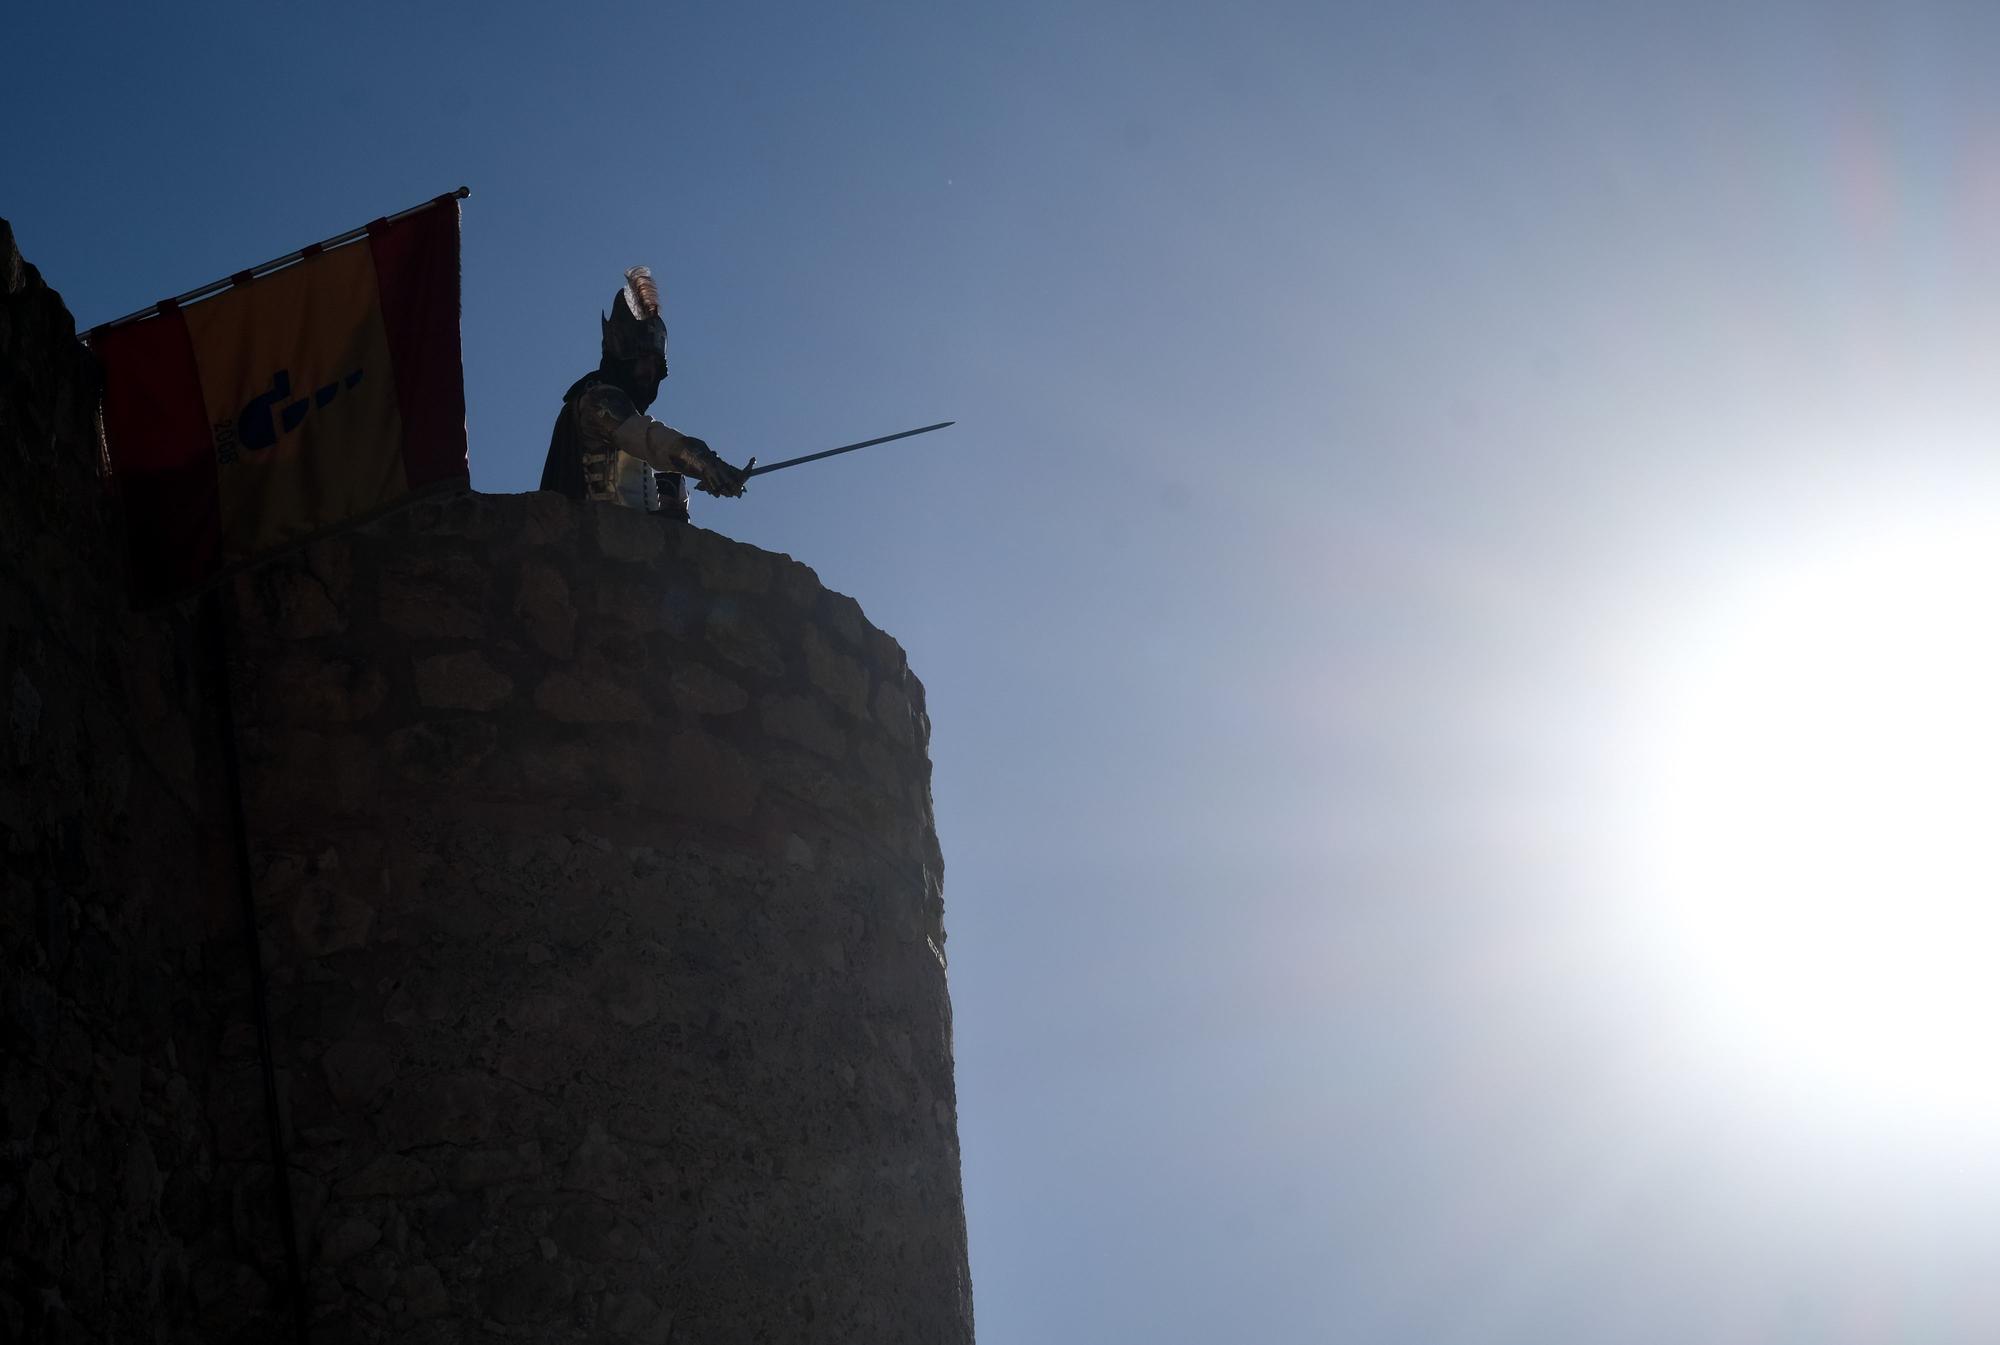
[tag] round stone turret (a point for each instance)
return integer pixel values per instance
(600, 904)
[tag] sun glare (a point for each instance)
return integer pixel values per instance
(1822, 775)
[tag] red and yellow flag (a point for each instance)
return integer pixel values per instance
(288, 403)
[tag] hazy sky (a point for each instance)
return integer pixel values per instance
(1363, 410)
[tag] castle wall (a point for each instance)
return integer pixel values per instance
(126, 1211)
(601, 900)
(599, 908)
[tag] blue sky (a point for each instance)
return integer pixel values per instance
(1358, 406)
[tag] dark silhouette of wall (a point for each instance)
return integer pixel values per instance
(133, 1192)
(599, 907)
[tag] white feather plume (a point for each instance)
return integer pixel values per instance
(642, 296)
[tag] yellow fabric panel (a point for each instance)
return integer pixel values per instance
(301, 399)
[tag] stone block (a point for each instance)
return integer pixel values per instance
(464, 681)
(24, 1092)
(356, 1072)
(453, 1225)
(635, 1317)
(304, 772)
(647, 601)
(546, 518)
(345, 1239)
(886, 654)
(304, 688)
(621, 653)
(585, 1229)
(648, 1125)
(627, 534)
(626, 993)
(799, 720)
(708, 779)
(543, 607)
(331, 561)
(117, 1085)
(139, 1189)
(297, 600)
(565, 767)
(844, 619)
(537, 1065)
(843, 679)
(435, 596)
(228, 1296)
(477, 1169)
(465, 1106)
(536, 1013)
(326, 918)
(892, 712)
(699, 689)
(589, 695)
(743, 639)
(731, 567)
(459, 513)
(882, 767)
(424, 1295)
(599, 1167)
(535, 1290)
(443, 751)
(395, 1175)
(798, 583)
(24, 717)
(799, 852)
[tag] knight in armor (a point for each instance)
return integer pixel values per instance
(605, 446)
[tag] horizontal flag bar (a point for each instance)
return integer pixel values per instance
(244, 277)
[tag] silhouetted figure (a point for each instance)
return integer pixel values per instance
(605, 446)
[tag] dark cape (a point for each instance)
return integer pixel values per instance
(563, 470)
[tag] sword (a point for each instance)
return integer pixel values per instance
(752, 469)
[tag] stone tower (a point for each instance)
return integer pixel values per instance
(599, 917)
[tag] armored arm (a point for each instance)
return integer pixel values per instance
(668, 450)
(611, 426)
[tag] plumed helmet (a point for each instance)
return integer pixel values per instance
(634, 326)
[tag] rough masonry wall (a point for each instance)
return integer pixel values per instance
(602, 905)
(599, 907)
(127, 1212)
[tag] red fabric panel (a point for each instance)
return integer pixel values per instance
(416, 270)
(162, 457)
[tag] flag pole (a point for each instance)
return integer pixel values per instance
(244, 277)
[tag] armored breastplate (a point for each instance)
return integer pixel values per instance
(585, 463)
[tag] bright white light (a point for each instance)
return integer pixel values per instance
(1822, 814)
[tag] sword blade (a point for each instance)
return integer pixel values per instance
(847, 448)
